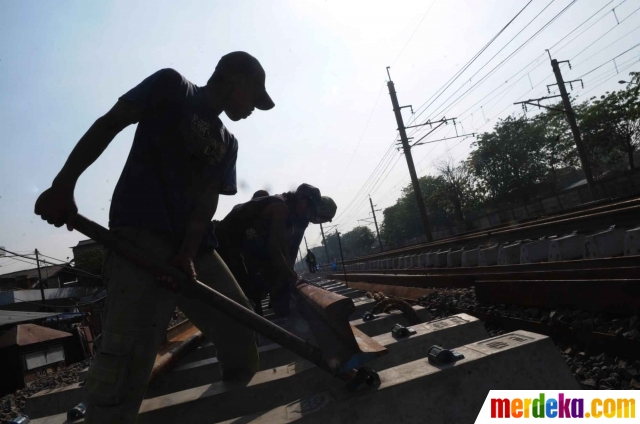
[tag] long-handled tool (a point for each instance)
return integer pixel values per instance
(326, 318)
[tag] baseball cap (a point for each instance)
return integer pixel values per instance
(245, 64)
(325, 210)
(310, 192)
(260, 193)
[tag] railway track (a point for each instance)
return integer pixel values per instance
(623, 213)
(412, 387)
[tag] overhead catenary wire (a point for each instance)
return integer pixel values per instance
(53, 264)
(543, 55)
(361, 137)
(609, 60)
(603, 35)
(565, 45)
(501, 63)
(464, 68)
(493, 98)
(363, 189)
(413, 33)
(503, 93)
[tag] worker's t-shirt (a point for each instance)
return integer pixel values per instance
(180, 146)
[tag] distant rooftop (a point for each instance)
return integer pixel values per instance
(27, 334)
(85, 242)
(47, 271)
(17, 317)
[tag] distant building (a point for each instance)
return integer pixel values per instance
(53, 276)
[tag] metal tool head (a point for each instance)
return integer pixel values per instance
(343, 346)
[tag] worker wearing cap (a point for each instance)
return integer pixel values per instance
(181, 160)
(259, 241)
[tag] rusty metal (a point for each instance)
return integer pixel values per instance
(181, 339)
(390, 303)
(327, 313)
(616, 268)
(614, 296)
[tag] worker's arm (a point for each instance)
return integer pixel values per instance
(198, 224)
(57, 205)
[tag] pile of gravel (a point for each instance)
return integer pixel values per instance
(618, 325)
(602, 371)
(12, 405)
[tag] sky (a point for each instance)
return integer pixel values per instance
(63, 64)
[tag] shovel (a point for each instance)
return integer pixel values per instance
(343, 349)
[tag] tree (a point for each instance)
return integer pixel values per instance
(612, 125)
(91, 262)
(559, 152)
(510, 161)
(356, 242)
(402, 220)
(461, 193)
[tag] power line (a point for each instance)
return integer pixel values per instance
(413, 33)
(369, 179)
(464, 68)
(543, 54)
(361, 136)
(555, 44)
(608, 77)
(587, 28)
(505, 60)
(50, 263)
(600, 66)
(603, 35)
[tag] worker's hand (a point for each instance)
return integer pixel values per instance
(183, 263)
(300, 280)
(57, 205)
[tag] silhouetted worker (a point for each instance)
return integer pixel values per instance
(259, 242)
(181, 160)
(311, 261)
(260, 193)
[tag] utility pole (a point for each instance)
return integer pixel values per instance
(375, 221)
(324, 241)
(407, 153)
(44, 302)
(344, 270)
(301, 257)
(571, 117)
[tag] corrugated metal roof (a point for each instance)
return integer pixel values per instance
(47, 272)
(28, 334)
(17, 296)
(86, 242)
(16, 317)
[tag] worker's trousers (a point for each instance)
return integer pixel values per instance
(137, 313)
